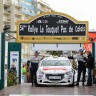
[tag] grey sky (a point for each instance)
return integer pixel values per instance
(82, 10)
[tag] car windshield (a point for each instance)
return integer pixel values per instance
(55, 63)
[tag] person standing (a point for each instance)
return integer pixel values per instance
(34, 66)
(81, 66)
(90, 66)
(24, 71)
(13, 69)
(28, 71)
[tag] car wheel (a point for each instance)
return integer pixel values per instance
(72, 85)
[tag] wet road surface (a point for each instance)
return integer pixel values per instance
(49, 90)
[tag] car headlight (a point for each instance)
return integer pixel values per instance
(69, 73)
(40, 72)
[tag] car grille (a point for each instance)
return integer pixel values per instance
(54, 75)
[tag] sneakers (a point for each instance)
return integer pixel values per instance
(77, 84)
(83, 84)
(89, 85)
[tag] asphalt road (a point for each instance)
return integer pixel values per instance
(49, 90)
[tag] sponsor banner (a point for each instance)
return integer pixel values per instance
(92, 38)
(14, 59)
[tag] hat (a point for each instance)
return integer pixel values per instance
(36, 52)
(80, 50)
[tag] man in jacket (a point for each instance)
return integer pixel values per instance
(90, 66)
(81, 66)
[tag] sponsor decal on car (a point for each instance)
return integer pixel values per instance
(54, 68)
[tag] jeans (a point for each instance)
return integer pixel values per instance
(89, 82)
(24, 79)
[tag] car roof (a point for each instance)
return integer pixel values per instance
(56, 58)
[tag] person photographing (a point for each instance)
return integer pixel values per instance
(90, 66)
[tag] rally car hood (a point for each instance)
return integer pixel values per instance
(55, 69)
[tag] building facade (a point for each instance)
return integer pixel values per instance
(13, 10)
(43, 7)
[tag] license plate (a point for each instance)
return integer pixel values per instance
(54, 77)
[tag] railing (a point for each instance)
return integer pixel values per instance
(7, 11)
(18, 12)
(6, 19)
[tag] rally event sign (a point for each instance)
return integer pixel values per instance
(52, 27)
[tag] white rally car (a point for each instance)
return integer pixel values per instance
(55, 71)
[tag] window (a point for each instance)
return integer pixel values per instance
(55, 63)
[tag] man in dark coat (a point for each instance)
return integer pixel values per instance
(90, 66)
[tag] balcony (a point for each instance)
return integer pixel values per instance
(6, 20)
(18, 5)
(41, 9)
(7, 12)
(7, 2)
(18, 13)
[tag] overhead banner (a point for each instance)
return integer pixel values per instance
(52, 27)
(56, 47)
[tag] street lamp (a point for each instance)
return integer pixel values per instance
(7, 31)
(6, 28)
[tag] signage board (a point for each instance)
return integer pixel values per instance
(52, 27)
(56, 47)
(0, 55)
(14, 59)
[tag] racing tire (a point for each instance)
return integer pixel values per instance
(72, 85)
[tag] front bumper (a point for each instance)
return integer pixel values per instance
(65, 80)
